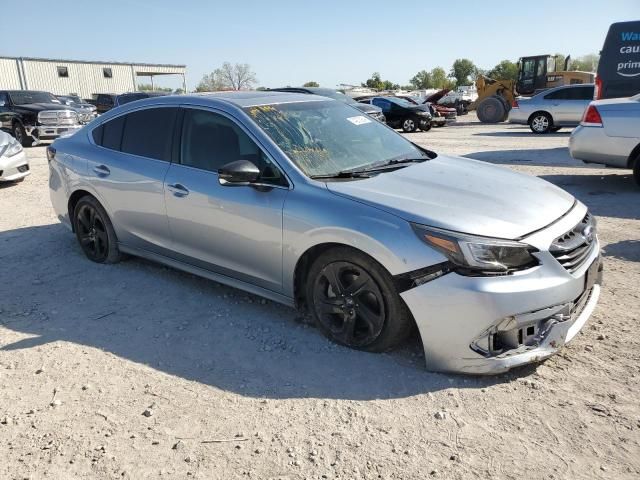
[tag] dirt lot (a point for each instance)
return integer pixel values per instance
(139, 371)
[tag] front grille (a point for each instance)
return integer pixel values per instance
(574, 247)
(58, 117)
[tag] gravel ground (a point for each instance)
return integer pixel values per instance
(139, 371)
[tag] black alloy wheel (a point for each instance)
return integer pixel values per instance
(95, 232)
(349, 304)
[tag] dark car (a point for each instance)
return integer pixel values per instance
(86, 111)
(619, 65)
(401, 113)
(133, 96)
(32, 116)
(370, 110)
(103, 101)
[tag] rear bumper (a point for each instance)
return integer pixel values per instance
(14, 168)
(518, 116)
(593, 145)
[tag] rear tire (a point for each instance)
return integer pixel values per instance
(354, 301)
(491, 110)
(95, 232)
(20, 134)
(636, 170)
(540, 123)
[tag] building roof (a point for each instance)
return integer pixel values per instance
(98, 62)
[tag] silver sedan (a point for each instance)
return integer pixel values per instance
(610, 134)
(14, 165)
(309, 202)
(552, 109)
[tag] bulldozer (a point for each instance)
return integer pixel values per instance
(535, 74)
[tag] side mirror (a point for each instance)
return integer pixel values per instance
(240, 172)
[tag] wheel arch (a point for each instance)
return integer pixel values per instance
(634, 156)
(74, 198)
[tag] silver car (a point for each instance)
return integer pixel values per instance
(309, 202)
(552, 109)
(610, 134)
(14, 165)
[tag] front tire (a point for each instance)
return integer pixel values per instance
(409, 125)
(354, 302)
(425, 125)
(20, 134)
(95, 232)
(491, 110)
(541, 123)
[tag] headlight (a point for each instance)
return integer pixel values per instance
(424, 114)
(13, 148)
(477, 255)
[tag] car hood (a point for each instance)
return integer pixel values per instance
(462, 195)
(40, 107)
(366, 108)
(5, 138)
(434, 97)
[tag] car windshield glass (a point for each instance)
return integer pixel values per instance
(327, 137)
(25, 98)
(400, 101)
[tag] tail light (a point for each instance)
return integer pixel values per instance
(597, 91)
(591, 117)
(514, 104)
(51, 153)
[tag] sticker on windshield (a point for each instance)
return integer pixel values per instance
(359, 120)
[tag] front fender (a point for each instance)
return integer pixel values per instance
(333, 219)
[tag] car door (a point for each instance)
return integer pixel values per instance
(232, 230)
(127, 171)
(567, 105)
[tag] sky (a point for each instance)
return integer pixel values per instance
(292, 42)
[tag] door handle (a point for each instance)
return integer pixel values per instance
(178, 189)
(102, 170)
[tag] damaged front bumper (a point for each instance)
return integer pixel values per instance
(488, 325)
(50, 132)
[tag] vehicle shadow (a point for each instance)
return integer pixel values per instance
(611, 195)
(544, 157)
(624, 250)
(191, 327)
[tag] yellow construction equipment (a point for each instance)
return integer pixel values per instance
(536, 73)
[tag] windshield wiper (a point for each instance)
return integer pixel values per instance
(342, 174)
(363, 172)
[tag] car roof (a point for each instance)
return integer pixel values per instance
(561, 87)
(253, 98)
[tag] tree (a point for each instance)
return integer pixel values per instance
(228, 77)
(439, 78)
(374, 82)
(586, 63)
(147, 87)
(505, 70)
(462, 69)
(421, 80)
(311, 84)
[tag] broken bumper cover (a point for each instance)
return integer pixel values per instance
(488, 325)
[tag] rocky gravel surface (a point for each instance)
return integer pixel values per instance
(139, 371)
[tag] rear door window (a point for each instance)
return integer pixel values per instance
(562, 94)
(149, 133)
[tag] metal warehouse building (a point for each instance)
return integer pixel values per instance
(84, 78)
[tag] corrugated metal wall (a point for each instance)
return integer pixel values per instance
(9, 78)
(84, 78)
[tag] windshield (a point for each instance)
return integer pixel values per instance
(326, 137)
(25, 98)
